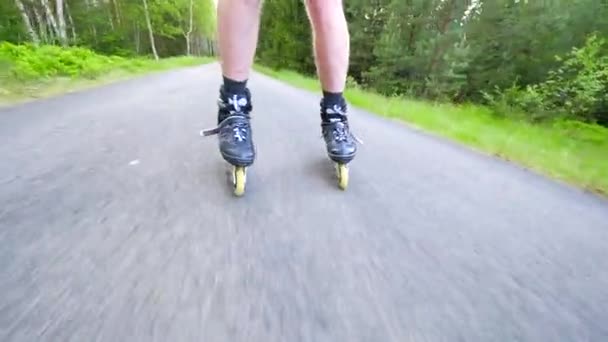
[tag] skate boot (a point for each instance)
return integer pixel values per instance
(234, 135)
(340, 143)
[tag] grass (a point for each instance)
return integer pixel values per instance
(30, 72)
(572, 152)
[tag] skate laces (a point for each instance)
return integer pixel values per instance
(234, 127)
(240, 129)
(340, 130)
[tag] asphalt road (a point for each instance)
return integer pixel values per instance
(117, 223)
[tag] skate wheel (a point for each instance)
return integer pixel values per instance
(239, 178)
(342, 174)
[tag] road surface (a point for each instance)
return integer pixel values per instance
(117, 223)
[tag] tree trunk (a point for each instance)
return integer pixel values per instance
(150, 32)
(111, 19)
(50, 19)
(71, 21)
(27, 22)
(42, 27)
(117, 10)
(189, 34)
(137, 39)
(63, 37)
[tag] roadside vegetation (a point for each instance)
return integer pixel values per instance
(48, 47)
(29, 72)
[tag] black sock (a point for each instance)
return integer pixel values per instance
(234, 87)
(328, 104)
(331, 99)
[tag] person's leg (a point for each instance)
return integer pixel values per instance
(331, 44)
(238, 26)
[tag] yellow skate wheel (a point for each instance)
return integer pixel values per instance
(342, 173)
(239, 178)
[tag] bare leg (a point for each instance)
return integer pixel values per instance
(331, 42)
(331, 46)
(238, 26)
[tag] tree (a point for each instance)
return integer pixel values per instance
(27, 22)
(366, 21)
(285, 37)
(150, 31)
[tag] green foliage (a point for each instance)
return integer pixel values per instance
(11, 28)
(29, 62)
(575, 89)
(366, 21)
(516, 102)
(285, 37)
(420, 52)
(28, 71)
(113, 27)
(579, 87)
(499, 51)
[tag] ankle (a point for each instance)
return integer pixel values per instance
(333, 107)
(232, 86)
(231, 102)
(332, 97)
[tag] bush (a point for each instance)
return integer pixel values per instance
(520, 103)
(580, 86)
(577, 89)
(29, 62)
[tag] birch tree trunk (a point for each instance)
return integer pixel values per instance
(150, 32)
(71, 21)
(63, 37)
(42, 26)
(27, 22)
(189, 34)
(50, 18)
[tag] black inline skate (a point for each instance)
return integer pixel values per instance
(341, 144)
(234, 135)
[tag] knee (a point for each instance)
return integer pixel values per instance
(318, 9)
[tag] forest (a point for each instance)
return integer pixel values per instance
(115, 27)
(536, 60)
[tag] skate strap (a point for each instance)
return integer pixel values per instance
(211, 131)
(216, 130)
